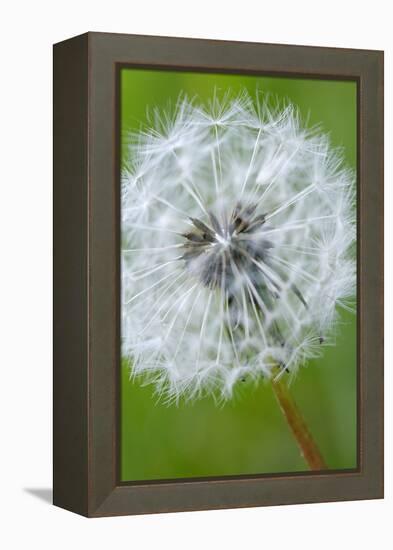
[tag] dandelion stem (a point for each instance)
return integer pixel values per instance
(298, 426)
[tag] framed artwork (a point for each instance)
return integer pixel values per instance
(218, 274)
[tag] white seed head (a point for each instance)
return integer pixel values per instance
(238, 226)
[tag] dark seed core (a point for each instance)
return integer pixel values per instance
(231, 253)
(222, 251)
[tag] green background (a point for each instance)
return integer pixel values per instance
(248, 434)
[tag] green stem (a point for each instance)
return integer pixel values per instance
(298, 426)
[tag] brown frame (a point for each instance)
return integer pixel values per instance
(86, 274)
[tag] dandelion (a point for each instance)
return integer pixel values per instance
(237, 235)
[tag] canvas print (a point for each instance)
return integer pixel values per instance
(238, 275)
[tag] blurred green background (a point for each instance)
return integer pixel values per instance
(247, 435)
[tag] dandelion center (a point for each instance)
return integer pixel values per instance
(225, 251)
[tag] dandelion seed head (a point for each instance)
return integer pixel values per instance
(238, 225)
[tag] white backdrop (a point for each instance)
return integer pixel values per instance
(27, 31)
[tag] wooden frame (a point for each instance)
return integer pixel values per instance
(86, 273)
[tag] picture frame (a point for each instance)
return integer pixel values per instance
(86, 412)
